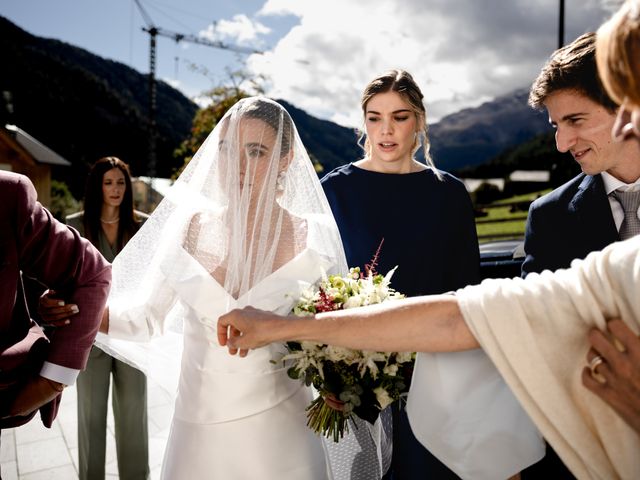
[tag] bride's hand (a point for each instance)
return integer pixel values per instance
(241, 330)
(53, 310)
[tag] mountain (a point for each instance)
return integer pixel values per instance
(474, 135)
(328, 143)
(460, 141)
(539, 153)
(85, 107)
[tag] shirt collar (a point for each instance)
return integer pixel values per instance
(611, 184)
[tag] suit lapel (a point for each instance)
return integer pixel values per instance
(591, 206)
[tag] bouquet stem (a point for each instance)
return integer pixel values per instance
(325, 420)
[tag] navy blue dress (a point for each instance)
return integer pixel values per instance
(429, 231)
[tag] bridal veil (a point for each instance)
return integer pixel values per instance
(247, 206)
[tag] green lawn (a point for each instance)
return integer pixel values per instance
(501, 223)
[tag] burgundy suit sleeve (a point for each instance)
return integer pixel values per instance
(61, 259)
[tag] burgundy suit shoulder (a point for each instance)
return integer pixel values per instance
(57, 256)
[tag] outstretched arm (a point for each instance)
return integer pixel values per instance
(429, 323)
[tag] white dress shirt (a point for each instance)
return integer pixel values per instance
(612, 184)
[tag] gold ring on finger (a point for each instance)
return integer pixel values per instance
(593, 366)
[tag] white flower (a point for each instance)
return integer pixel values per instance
(374, 297)
(311, 346)
(353, 302)
(391, 369)
(383, 397)
(333, 292)
(341, 354)
(404, 357)
(369, 360)
(387, 277)
(310, 355)
(301, 360)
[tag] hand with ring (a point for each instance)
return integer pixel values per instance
(594, 363)
(613, 371)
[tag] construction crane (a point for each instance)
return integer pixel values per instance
(561, 25)
(153, 32)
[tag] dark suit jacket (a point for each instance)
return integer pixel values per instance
(34, 243)
(568, 223)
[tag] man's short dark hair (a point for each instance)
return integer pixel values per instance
(572, 67)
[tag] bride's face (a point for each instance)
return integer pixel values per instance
(252, 160)
(257, 153)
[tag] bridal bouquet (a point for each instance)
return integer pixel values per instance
(349, 381)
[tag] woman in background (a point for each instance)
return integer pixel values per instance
(406, 214)
(109, 221)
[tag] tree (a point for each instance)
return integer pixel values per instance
(486, 193)
(239, 85)
(62, 201)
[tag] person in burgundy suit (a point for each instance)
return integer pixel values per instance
(35, 245)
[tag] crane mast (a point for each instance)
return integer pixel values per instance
(155, 31)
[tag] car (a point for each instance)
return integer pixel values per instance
(501, 258)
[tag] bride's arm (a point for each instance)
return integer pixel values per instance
(140, 319)
(142, 314)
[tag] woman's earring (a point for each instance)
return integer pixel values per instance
(282, 176)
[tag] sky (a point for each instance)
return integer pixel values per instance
(319, 55)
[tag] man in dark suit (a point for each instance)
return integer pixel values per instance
(33, 244)
(583, 215)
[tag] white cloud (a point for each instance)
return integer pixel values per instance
(241, 29)
(461, 53)
(282, 7)
(203, 101)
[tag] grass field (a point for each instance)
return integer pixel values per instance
(503, 221)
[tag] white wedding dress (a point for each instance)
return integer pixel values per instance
(245, 224)
(234, 418)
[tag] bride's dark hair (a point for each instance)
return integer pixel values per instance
(273, 115)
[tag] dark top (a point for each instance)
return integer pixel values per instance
(76, 220)
(427, 225)
(568, 223)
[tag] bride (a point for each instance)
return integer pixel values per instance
(246, 223)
